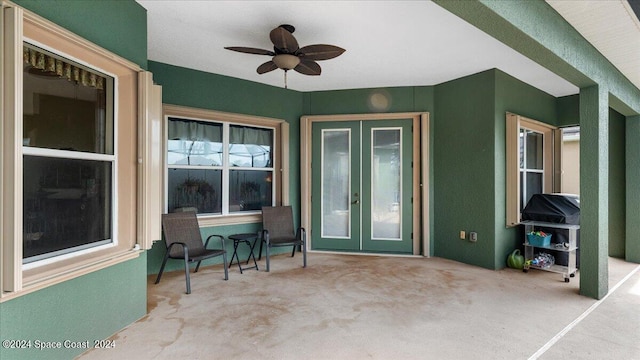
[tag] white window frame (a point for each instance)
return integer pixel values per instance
(514, 123)
(78, 155)
(19, 26)
(280, 155)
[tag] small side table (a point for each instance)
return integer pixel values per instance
(247, 239)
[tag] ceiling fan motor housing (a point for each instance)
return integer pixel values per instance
(286, 61)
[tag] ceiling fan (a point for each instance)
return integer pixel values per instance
(288, 55)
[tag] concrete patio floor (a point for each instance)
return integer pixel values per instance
(370, 307)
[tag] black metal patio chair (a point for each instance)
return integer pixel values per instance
(278, 230)
(184, 242)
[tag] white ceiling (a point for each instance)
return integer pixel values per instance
(611, 27)
(388, 43)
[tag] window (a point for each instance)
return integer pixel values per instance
(69, 123)
(531, 154)
(195, 158)
(531, 163)
(221, 165)
(68, 156)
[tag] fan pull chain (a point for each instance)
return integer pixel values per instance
(285, 79)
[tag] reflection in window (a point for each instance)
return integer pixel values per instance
(68, 157)
(196, 190)
(58, 97)
(250, 147)
(194, 143)
(531, 164)
(534, 150)
(66, 205)
(249, 190)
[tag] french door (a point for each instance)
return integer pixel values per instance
(362, 187)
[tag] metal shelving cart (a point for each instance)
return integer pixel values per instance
(570, 248)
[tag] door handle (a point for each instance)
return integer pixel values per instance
(356, 202)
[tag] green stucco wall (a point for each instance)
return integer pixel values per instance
(512, 95)
(617, 185)
(88, 308)
(119, 26)
(469, 163)
(632, 174)
(594, 191)
(356, 101)
(93, 306)
(464, 167)
(568, 113)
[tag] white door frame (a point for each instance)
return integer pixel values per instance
(421, 156)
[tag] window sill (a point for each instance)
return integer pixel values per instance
(206, 221)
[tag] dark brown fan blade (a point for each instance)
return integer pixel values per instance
(308, 67)
(283, 40)
(266, 67)
(249, 50)
(320, 52)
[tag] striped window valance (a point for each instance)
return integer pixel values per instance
(52, 65)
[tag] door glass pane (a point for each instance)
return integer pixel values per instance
(385, 184)
(335, 183)
(534, 150)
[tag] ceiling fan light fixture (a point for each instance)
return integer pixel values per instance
(286, 61)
